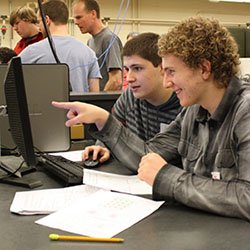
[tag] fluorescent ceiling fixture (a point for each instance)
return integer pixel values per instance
(233, 1)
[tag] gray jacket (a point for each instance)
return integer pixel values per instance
(195, 145)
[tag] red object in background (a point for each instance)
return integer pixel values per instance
(23, 43)
(125, 83)
(3, 29)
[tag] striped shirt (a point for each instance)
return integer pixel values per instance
(143, 118)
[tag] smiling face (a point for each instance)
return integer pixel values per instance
(145, 80)
(186, 82)
(83, 18)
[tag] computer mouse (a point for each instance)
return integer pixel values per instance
(90, 163)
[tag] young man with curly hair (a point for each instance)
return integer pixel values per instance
(210, 138)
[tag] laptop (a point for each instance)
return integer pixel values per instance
(44, 83)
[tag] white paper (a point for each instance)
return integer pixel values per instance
(123, 183)
(49, 200)
(102, 214)
(71, 155)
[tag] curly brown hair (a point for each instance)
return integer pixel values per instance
(199, 38)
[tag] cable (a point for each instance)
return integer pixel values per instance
(112, 40)
(105, 53)
(13, 173)
(114, 36)
(51, 43)
(8, 151)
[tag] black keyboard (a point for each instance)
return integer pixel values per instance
(68, 171)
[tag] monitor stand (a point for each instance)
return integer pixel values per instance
(19, 178)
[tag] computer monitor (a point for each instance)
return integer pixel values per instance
(19, 122)
(43, 83)
(105, 100)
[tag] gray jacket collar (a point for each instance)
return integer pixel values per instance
(231, 94)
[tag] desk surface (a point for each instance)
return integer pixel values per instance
(173, 227)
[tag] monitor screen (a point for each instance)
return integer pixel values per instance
(17, 109)
(19, 122)
(44, 83)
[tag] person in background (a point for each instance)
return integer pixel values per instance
(24, 21)
(125, 83)
(132, 34)
(202, 158)
(146, 107)
(6, 54)
(104, 42)
(82, 62)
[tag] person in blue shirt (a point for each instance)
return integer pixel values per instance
(82, 61)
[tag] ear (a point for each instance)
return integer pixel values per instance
(205, 67)
(93, 13)
(48, 20)
(161, 69)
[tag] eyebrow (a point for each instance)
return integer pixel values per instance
(134, 65)
(167, 68)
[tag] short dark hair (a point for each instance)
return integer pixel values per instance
(24, 13)
(145, 46)
(6, 54)
(132, 34)
(57, 11)
(90, 5)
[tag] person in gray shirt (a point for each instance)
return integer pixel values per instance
(202, 158)
(103, 41)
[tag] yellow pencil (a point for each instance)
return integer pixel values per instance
(83, 238)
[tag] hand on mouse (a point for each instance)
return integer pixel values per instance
(103, 153)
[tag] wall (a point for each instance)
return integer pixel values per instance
(144, 15)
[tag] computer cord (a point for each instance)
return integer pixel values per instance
(3, 166)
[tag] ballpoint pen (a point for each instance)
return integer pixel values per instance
(83, 238)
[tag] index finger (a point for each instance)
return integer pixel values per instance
(63, 105)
